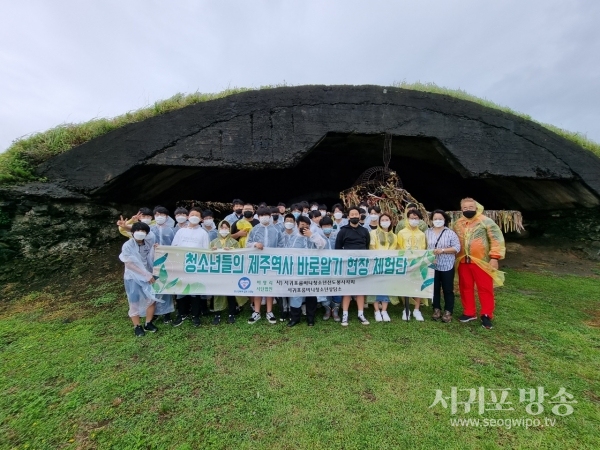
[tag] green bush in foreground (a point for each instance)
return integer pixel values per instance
(73, 377)
(18, 162)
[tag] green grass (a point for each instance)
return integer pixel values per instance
(18, 162)
(73, 376)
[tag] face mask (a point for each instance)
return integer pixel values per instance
(223, 232)
(238, 212)
(194, 220)
(338, 215)
(413, 222)
(323, 213)
(314, 208)
(354, 220)
(296, 214)
(160, 219)
(248, 214)
(374, 217)
(385, 224)
(327, 230)
(275, 217)
(181, 219)
(438, 223)
(469, 214)
(363, 217)
(146, 221)
(209, 222)
(289, 225)
(139, 235)
(265, 220)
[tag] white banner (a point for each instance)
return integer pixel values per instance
(281, 272)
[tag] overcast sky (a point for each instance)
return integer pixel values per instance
(70, 61)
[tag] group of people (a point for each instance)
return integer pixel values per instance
(471, 247)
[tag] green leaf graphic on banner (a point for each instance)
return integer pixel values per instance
(171, 284)
(401, 252)
(156, 287)
(186, 290)
(163, 274)
(414, 262)
(426, 284)
(161, 260)
(194, 288)
(423, 269)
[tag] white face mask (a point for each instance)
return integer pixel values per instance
(139, 235)
(208, 222)
(374, 217)
(160, 219)
(289, 225)
(323, 213)
(414, 222)
(181, 219)
(438, 223)
(314, 208)
(385, 224)
(265, 220)
(194, 220)
(223, 232)
(338, 215)
(146, 221)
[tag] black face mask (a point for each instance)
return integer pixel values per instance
(248, 214)
(363, 217)
(275, 217)
(469, 214)
(238, 212)
(354, 220)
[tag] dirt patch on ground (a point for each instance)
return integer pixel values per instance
(542, 255)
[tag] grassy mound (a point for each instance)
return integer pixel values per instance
(73, 375)
(17, 163)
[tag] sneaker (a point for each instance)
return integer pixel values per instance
(385, 316)
(404, 317)
(464, 318)
(231, 319)
(167, 319)
(447, 317)
(327, 314)
(138, 331)
(271, 318)
(285, 315)
(363, 320)
(345, 321)
(336, 314)
(418, 316)
(196, 321)
(216, 320)
(437, 314)
(378, 317)
(179, 320)
(486, 322)
(150, 327)
(255, 317)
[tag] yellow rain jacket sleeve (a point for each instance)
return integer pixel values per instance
(409, 239)
(481, 239)
(243, 224)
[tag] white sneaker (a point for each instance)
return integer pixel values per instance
(385, 316)
(418, 316)
(378, 316)
(255, 317)
(404, 315)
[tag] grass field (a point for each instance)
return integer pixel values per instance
(73, 376)
(18, 162)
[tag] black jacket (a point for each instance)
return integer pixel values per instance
(353, 238)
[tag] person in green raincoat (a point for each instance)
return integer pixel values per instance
(224, 241)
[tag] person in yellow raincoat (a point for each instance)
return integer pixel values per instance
(482, 245)
(383, 238)
(412, 238)
(241, 229)
(224, 241)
